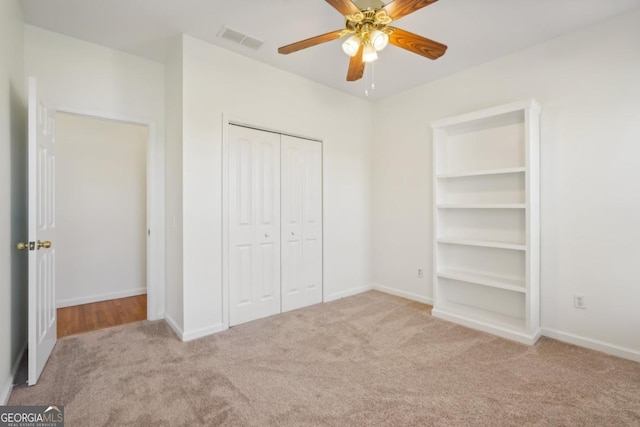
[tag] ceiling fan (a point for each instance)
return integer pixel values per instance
(367, 25)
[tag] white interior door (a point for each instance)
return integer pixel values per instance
(42, 222)
(301, 222)
(254, 224)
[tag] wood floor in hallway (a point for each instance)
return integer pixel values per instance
(90, 317)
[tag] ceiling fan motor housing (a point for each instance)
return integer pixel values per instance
(368, 4)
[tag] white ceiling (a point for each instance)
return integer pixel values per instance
(475, 31)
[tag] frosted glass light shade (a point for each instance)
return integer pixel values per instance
(379, 40)
(369, 54)
(351, 45)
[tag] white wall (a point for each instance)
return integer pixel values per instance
(173, 184)
(217, 81)
(13, 227)
(81, 77)
(78, 75)
(588, 85)
(101, 209)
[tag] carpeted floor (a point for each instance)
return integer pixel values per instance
(367, 360)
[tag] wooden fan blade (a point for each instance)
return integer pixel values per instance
(399, 8)
(294, 47)
(345, 7)
(356, 66)
(417, 44)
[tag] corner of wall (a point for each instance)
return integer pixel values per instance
(174, 275)
(13, 210)
(7, 387)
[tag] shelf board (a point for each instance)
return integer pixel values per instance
(483, 316)
(484, 280)
(484, 244)
(483, 206)
(482, 172)
(490, 116)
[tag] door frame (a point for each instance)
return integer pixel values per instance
(155, 205)
(226, 122)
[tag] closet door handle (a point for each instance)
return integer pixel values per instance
(266, 235)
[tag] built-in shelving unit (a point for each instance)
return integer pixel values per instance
(484, 206)
(486, 220)
(484, 244)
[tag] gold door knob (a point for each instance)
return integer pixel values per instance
(46, 244)
(22, 246)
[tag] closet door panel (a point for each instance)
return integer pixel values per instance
(254, 224)
(301, 222)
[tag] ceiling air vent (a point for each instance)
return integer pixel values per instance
(240, 38)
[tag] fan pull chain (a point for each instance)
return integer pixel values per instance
(366, 81)
(369, 76)
(373, 76)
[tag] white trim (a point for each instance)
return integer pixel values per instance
(101, 297)
(156, 287)
(225, 221)
(614, 350)
(264, 129)
(193, 335)
(203, 332)
(323, 223)
(5, 392)
(490, 328)
(489, 112)
(174, 325)
(403, 294)
(347, 293)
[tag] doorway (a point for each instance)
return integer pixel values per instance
(101, 210)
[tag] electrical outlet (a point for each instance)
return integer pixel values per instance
(578, 301)
(420, 273)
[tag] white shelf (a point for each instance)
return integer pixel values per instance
(483, 206)
(484, 280)
(482, 173)
(485, 316)
(484, 244)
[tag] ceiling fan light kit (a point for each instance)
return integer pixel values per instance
(351, 45)
(368, 30)
(369, 53)
(379, 39)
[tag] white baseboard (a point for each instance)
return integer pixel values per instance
(193, 335)
(102, 297)
(200, 333)
(614, 350)
(403, 294)
(500, 331)
(174, 325)
(347, 293)
(7, 388)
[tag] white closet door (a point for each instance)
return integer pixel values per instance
(301, 222)
(254, 224)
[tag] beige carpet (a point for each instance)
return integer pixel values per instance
(367, 360)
